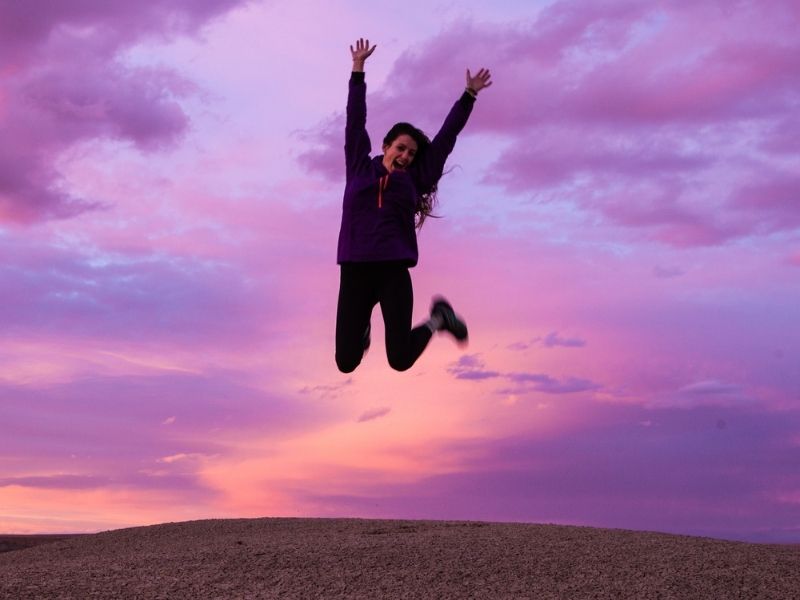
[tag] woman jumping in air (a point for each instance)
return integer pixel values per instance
(386, 198)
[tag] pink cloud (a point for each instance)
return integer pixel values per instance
(116, 438)
(61, 482)
(669, 469)
(374, 413)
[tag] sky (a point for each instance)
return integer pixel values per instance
(620, 228)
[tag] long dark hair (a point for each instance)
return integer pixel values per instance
(427, 197)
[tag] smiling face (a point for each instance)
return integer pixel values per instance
(398, 155)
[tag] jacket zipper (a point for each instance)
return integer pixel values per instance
(383, 183)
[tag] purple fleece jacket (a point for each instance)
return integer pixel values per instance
(378, 208)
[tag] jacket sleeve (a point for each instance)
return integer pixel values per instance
(356, 141)
(431, 167)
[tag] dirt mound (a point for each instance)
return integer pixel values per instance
(353, 558)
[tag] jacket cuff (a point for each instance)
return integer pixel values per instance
(357, 77)
(467, 98)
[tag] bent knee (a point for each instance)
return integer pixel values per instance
(400, 365)
(347, 366)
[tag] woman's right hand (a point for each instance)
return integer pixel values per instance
(361, 53)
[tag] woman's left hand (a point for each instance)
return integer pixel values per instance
(479, 81)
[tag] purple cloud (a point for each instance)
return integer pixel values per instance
(777, 199)
(711, 387)
(472, 367)
(663, 215)
(552, 340)
(26, 27)
(326, 391)
(64, 82)
(519, 346)
(323, 141)
(560, 155)
(663, 272)
(550, 385)
(783, 137)
(709, 392)
(54, 291)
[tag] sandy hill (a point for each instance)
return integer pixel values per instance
(354, 558)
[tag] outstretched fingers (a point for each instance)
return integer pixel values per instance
(482, 79)
(362, 51)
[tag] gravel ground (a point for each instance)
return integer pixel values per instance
(369, 559)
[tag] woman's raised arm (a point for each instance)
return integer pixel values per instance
(432, 165)
(356, 141)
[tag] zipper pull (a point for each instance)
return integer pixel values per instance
(383, 183)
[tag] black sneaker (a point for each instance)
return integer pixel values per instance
(366, 339)
(450, 320)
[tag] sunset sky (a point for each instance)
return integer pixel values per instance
(621, 231)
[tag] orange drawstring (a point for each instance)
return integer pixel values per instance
(383, 183)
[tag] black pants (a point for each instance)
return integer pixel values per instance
(361, 287)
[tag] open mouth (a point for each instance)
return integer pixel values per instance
(399, 166)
